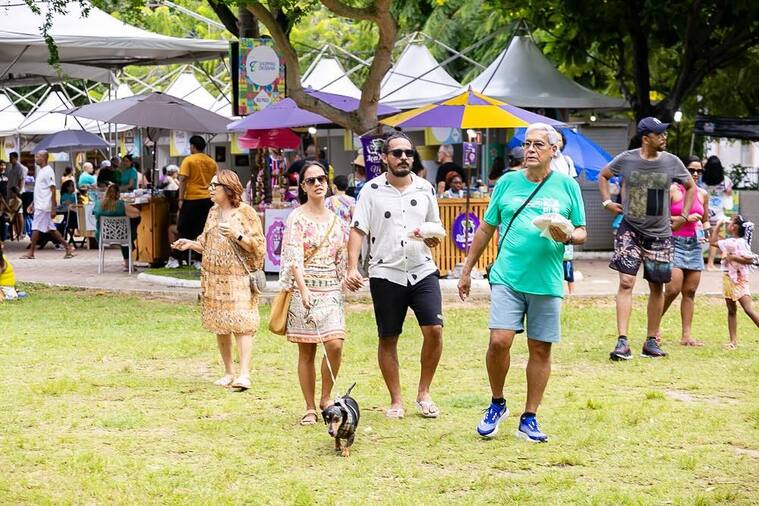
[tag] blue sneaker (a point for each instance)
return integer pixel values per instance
(488, 427)
(529, 430)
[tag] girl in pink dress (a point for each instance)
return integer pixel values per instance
(737, 263)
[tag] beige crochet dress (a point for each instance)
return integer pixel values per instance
(227, 305)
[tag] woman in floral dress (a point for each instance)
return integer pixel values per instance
(232, 235)
(313, 265)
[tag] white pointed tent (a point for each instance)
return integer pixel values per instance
(188, 88)
(416, 79)
(10, 117)
(327, 74)
(41, 122)
(522, 76)
(96, 39)
(222, 106)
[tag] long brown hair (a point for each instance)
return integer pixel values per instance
(111, 197)
(230, 183)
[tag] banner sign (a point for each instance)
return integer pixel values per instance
(8, 145)
(261, 75)
(436, 136)
(372, 147)
(470, 154)
(463, 229)
(179, 143)
(131, 142)
(274, 232)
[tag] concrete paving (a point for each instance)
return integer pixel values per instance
(50, 268)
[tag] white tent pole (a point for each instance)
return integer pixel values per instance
(314, 62)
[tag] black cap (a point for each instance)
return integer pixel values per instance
(651, 125)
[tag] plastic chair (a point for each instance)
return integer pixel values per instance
(114, 230)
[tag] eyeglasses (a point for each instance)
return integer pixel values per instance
(696, 171)
(398, 152)
(539, 145)
(214, 185)
(310, 181)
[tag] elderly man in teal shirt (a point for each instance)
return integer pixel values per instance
(527, 278)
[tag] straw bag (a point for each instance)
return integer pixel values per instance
(280, 306)
(256, 278)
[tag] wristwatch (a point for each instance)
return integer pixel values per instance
(239, 238)
(606, 202)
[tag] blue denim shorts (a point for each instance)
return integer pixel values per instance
(688, 254)
(508, 309)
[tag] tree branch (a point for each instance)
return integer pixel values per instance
(294, 87)
(226, 16)
(364, 13)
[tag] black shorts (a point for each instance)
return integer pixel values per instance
(192, 218)
(392, 301)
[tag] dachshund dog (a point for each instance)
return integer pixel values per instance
(341, 419)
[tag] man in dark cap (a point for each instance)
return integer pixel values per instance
(645, 234)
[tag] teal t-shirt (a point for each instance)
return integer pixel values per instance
(527, 262)
(129, 175)
(120, 210)
(87, 180)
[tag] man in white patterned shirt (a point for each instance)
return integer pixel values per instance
(402, 274)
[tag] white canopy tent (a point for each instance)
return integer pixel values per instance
(327, 74)
(522, 76)
(97, 39)
(41, 122)
(222, 106)
(26, 73)
(416, 79)
(188, 88)
(10, 117)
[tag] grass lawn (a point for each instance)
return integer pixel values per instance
(108, 400)
(180, 272)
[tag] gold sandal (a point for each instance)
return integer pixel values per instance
(305, 419)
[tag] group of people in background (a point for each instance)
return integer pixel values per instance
(665, 218)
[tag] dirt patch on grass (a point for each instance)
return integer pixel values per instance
(679, 395)
(746, 451)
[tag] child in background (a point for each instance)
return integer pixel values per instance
(8, 280)
(737, 260)
(569, 268)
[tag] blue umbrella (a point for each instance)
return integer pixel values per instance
(586, 154)
(70, 140)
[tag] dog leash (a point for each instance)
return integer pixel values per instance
(324, 348)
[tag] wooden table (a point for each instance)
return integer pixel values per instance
(451, 252)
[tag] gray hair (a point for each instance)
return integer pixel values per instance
(550, 132)
(87, 167)
(447, 149)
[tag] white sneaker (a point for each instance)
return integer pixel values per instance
(196, 264)
(173, 263)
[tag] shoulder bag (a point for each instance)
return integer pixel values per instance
(511, 222)
(280, 306)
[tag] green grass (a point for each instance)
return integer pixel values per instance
(181, 272)
(108, 400)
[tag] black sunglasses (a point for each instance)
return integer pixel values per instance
(310, 181)
(398, 152)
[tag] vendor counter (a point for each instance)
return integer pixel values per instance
(153, 230)
(456, 221)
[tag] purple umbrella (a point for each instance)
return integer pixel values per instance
(153, 110)
(69, 140)
(287, 114)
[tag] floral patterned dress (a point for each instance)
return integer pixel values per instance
(226, 303)
(323, 276)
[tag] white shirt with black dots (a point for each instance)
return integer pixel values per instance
(388, 216)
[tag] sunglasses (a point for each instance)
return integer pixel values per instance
(398, 152)
(310, 181)
(696, 171)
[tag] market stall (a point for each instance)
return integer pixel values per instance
(456, 220)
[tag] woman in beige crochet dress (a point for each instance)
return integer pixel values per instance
(313, 264)
(232, 233)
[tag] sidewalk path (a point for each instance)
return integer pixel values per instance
(49, 267)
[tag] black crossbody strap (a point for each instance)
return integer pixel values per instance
(527, 201)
